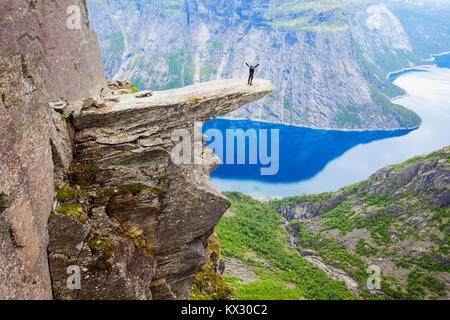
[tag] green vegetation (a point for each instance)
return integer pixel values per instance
(382, 89)
(140, 241)
(365, 249)
(345, 220)
(216, 45)
(102, 246)
(336, 255)
(180, 72)
(295, 225)
(268, 289)
(436, 155)
(66, 193)
(303, 15)
(136, 188)
(297, 200)
(348, 116)
(206, 71)
(376, 74)
(208, 284)
(129, 188)
(72, 210)
(255, 227)
(406, 118)
(356, 227)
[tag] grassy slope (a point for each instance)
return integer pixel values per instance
(384, 227)
(255, 227)
(406, 230)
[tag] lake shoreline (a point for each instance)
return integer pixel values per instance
(316, 160)
(329, 129)
(424, 66)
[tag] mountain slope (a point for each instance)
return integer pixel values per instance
(397, 220)
(426, 23)
(260, 265)
(328, 58)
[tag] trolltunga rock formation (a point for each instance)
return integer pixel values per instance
(136, 223)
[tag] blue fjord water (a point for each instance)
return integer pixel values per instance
(313, 161)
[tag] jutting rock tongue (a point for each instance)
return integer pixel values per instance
(136, 223)
(41, 59)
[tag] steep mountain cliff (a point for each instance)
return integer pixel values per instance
(40, 60)
(129, 216)
(328, 59)
(397, 220)
(425, 22)
(87, 179)
(328, 246)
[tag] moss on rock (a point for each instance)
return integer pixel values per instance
(209, 285)
(102, 245)
(72, 210)
(66, 193)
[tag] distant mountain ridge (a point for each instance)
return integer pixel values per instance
(328, 59)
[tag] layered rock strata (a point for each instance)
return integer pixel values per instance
(136, 223)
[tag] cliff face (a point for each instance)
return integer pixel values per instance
(40, 60)
(209, 284)
(328, 60)
(426, 24)
(129, 216)
(136, 224)
(396, 220)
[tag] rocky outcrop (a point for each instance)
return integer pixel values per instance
(397, 221)
(135, 221)
(126, 218)
(328, 60)
(41, 60)
(209, 284)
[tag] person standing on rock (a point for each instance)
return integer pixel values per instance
(252, 72)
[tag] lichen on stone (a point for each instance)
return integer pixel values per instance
(140, 241)
(74, 167)
(134, 188)
(193, 99)
(137, 187)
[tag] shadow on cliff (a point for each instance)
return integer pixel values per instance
(303, 152)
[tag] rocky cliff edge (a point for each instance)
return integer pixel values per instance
(133, 222)
(128, 216)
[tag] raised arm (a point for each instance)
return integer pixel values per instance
(247, 64)
(256, 66)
